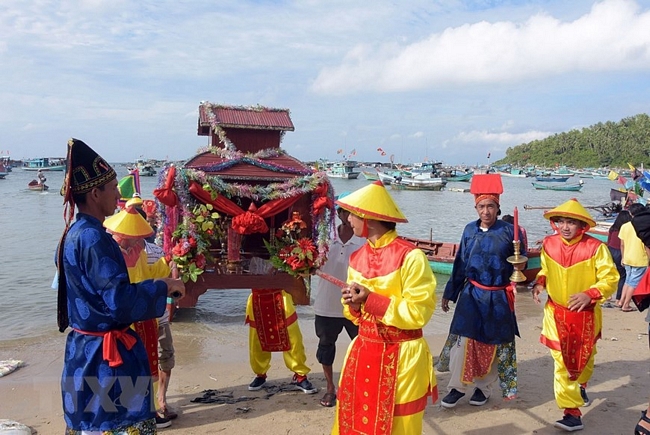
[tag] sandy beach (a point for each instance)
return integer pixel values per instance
(217, 359)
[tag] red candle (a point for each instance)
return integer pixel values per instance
(516, 225)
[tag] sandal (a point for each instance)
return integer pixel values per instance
(329, 400)
(628, 310)
(640, 430)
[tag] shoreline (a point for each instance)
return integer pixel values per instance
(216, 358)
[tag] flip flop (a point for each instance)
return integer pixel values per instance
(328, 400)
(628, 310)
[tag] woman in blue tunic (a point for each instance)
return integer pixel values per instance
(481, 344)
(106, 381)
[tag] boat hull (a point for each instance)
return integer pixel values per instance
(564, 187)
(441, 256)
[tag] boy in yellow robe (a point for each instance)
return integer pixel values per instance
(388, 375)
(579, 274)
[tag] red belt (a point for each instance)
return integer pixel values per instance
(509, 289)
(387, 334)
(111, 352)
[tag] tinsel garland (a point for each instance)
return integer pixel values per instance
(253, 162)
(299, 185)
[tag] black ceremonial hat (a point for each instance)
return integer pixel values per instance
(86, 168)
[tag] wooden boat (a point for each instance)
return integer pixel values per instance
(36, 186)
(418, 183)
(441, 256)
(342, 170)
(513, 172)
(370, 175)
(3, 171)
(460, 177)
(388, 177)
(551, 179)
(45, 164)
(564, 187)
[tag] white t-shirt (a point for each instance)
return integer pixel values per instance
(327, 296)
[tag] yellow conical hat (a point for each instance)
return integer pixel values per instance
(128, 223)
(571, 209)
(136, 201)
(372, 202)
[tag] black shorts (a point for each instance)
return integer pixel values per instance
(328, 330)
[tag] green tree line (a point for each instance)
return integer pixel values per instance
(606, 144)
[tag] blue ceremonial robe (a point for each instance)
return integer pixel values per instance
(101, 298)
(483, 315)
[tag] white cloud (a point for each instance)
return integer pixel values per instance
(613, 36)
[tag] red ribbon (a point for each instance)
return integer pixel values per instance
(110, 351)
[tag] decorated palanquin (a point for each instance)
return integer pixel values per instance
(242, 213)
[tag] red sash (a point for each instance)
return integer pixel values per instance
(575, 330)
(510, 293)
(109, 346)
(148, 332)
(367, 388)
(270, 322)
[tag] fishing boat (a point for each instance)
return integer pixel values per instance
(460, 177)
(513, 172)
(45, 164)
(344, 170)
(441, 256)
(549, 179)
(3, 171)
(419, 182)
(36, 186)
(370, 175)
(562, 187)
(388, 177)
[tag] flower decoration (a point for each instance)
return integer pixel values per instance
(292, 253)
(194, 237)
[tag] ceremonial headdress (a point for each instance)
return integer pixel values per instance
(128, 223)
(85, 170)
(486, 186)
(372, 202)
(571, 209)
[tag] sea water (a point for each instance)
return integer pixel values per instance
(31, 224)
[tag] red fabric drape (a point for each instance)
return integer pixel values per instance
(166, 194)
(224, 205)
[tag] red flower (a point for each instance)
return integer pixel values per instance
(200, 261)
(181, 249)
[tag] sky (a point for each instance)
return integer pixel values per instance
(443, 80)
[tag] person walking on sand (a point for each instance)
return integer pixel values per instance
(387, 377)
(633, 258)
(578, 274)
(481, 344)
(106, 381)
(329, 321)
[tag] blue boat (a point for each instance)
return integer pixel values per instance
(45, 164)
(551, 179)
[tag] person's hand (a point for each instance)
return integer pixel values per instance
(444, 305)
(354, 295)
(537, 289)
(175, 288)
(579, 301)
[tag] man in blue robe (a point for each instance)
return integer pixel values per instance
(106, 381)
(482, 333)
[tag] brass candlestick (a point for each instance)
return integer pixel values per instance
(518, 262)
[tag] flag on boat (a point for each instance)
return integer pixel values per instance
(488, 155)
(353, 152)
(339, 151)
